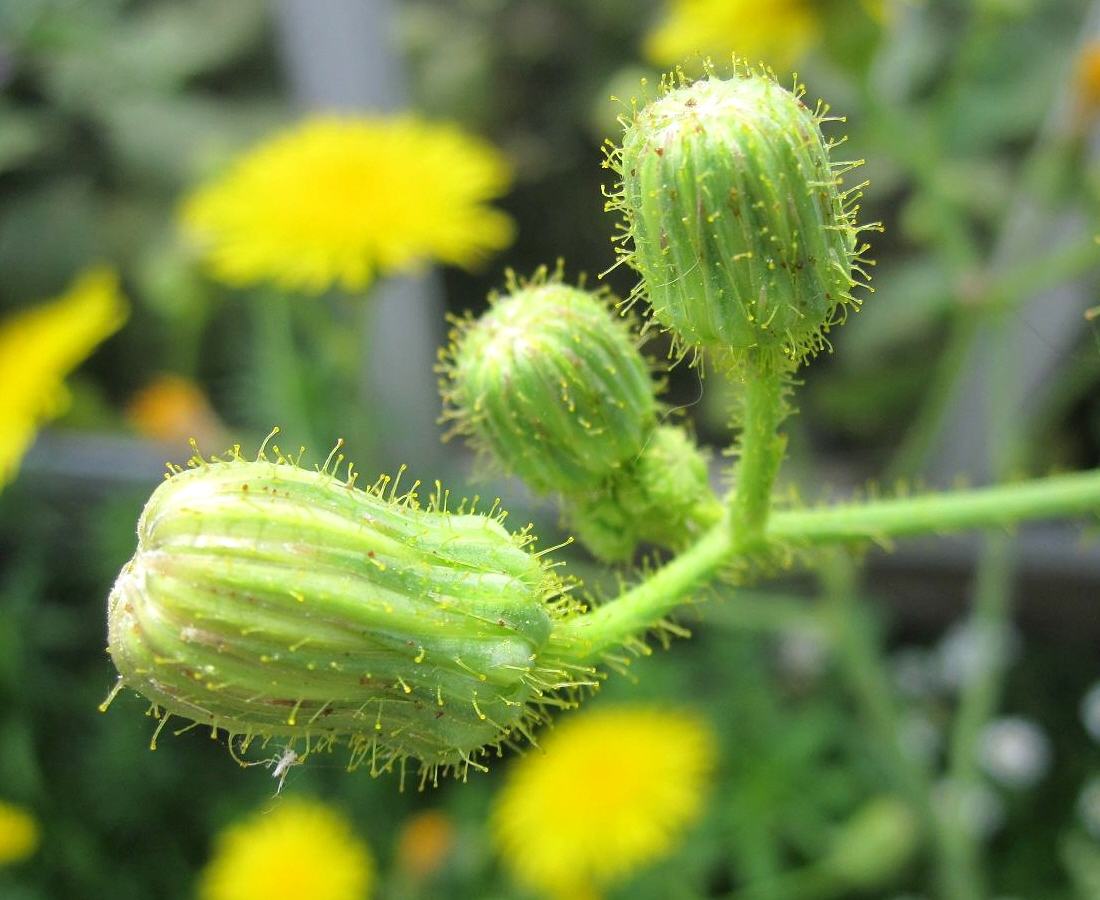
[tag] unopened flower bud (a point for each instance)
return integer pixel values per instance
(551, 384)
(273, 601)
(740, 230)
(661, 497)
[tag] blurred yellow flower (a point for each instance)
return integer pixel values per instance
(423, 844)
(39, 347)
(336, 201)
(300, 849)
(611, 790)
(1087, 84)
(18, 833)
(776, 32)
(175, 411)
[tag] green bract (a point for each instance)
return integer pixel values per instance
(741, 233)
(550, 382)
(273, 601)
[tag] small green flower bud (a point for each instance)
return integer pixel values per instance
(740, 230)
(550, 383)
(273, 601)
(662, 497)
(873, 846)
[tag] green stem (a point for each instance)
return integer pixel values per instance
(861, 662)
(860, 658)
(989, 619)
(1009, 289)
(760, 446)
(987, 507)
(977, 704)
(1006, 291)
(926, 425)
(278, 372)
(625, 619)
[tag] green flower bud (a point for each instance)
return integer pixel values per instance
(273, 601)
(550, 383)
(739, 227)
(662, 497)
(874, 845)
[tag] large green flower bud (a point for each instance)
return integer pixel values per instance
(273, 601)
(740, 230)
(550, 383)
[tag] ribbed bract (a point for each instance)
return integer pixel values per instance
(738, 227)
(269, 600)
(550, 382)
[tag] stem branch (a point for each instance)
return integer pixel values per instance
(988, 507)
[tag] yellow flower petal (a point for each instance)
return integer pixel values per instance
(339, 200)
(776, 32)
(39, 347)
(611, 791)
(300, 849)
(18, 833)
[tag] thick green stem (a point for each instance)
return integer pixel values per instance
(628, 617)
(625, 619)
(760, 446)
(1055, 496)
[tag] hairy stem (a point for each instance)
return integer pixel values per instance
(625, 619)
(760, 446)
(629, 616)
(1001, 505)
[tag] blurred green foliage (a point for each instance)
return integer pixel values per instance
(109, 109)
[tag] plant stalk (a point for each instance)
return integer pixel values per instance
(1002, 505)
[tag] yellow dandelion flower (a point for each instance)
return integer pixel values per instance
(777, 32)
(300, 849)
(39, 347)
(335, 201)
(611, 791)
(18, 833)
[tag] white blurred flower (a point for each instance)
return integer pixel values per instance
(915, 671)
(967, 651)
(1090, 711)
(1015, 752)
(976, 806)
(803, 653)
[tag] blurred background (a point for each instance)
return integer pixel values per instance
(975, 359)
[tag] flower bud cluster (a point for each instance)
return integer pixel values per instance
(550, 384)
